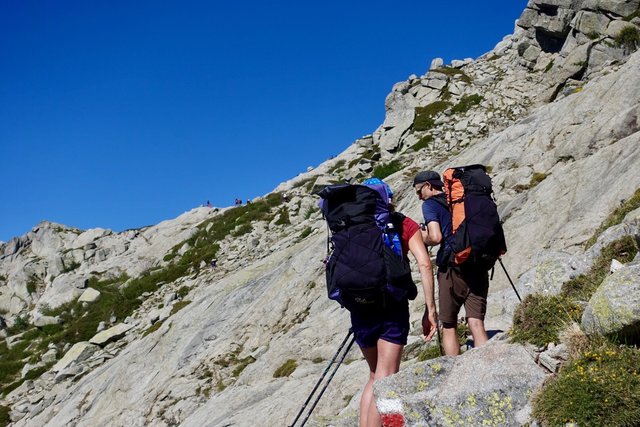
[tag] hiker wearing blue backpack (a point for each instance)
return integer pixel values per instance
(462, 265)
(368, 273)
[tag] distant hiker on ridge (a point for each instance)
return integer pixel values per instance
(368, 273)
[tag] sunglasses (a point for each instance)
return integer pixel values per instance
(419, 190)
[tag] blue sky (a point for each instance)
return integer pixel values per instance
(123, 114)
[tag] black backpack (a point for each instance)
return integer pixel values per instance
(362, 270)
(478, 237)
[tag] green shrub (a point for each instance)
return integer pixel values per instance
(424, 116)
(384, 170)
(539, 318)
(582, 287)
(317, 360)
(286, 369)
(616, 216)
(422, 143)
(466, 103)
(599, 388)
(628, 39)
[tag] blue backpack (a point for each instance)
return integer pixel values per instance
(362, 269)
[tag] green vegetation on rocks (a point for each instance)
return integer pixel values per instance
(422, 143)
(616, 216)
(628, 39)
(466, 103)
(600, 387)
(454, 72)
(540, 318)
(536, 179)
(286, 369)
(582, 287)
(384, 170)
(424, 116)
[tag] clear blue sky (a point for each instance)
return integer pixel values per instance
(122, 114)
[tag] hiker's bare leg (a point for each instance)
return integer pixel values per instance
(450, 342)
(477, 330)
(388, 363)
(371, 356)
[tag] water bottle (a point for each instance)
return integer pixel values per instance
(393, 239)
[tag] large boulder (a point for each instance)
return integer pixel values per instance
(490, 385)
(615, 307)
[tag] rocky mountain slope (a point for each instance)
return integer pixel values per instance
(136, 328)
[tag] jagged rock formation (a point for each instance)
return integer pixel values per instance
(554, 109)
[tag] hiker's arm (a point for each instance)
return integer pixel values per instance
(432, 236)
(430, 317)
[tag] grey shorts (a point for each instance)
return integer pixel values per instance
(458, 287)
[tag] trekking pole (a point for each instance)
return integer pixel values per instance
(328, 381)
(322, 377)
(510, 281)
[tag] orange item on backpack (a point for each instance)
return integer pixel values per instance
(478, 236)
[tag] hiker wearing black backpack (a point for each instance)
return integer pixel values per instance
(368, 273)
(462, 264)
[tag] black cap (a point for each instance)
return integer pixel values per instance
(428, 176)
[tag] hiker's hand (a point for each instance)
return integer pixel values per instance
(429, 324)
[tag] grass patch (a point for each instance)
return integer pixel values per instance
(286, 369)
(549, 66)
(466, 103)
(305, 233)
(151, 329)
(179, 306)
(384, 170)
(422, 143)
(494, 57)
(601, 387)
(540, 318)
(616, 216)
(242, 230)
(339, 164)
(424, 116)
(283, 216)
(242, 364)
(536, 179)
(582, 287)
(317, 360)
(454, 72)
(182, 292)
